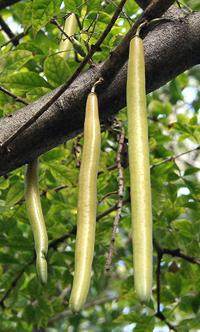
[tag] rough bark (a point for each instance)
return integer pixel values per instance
(170, 48)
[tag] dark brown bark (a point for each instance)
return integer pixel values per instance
(170, 48)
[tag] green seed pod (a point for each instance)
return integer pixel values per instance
(36, 218)
(141, 205)
(69, 29)
(87, 197)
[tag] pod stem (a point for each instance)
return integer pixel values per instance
(143, 24)
(149, 23)
(100, 81)
(41, 265)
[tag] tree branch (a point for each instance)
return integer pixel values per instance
(175, 253)
(120, 193)
(155, 9)
(15, 40)
(8, 31)
(58, 92)
(170, 48)
(6, 3)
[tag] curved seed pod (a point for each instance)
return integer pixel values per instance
(36, 218)
(141, 205)
(86, 205)
(69, 29)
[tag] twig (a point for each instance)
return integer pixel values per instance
(111, 209)
(172, 158)
(19, 99)
(55, 22)
(175, 253)
(62, 89)
(8, 31)
(108, 195)
(158, 274)
(44, 192)
(76, 149)
(6, 3)
(124, 14)
(15, 39)
(162, 317)
(178, 253)
(79, 22)
(86, 306)
(159, 313)
(121, 138)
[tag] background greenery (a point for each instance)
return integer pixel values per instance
(31, 69)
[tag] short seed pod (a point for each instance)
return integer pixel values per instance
(35, 214)
(69, 29)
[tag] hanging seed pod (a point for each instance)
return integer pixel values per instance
(36, 218)
(87, 200)
(69, 29)
(141, 206)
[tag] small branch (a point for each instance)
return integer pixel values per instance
(111, 209)
(67, 313)
(8, 31)
(178, 253)
(159, 313)
(172, 158)
(162, 317)
(62, 89)
(79, 22)
(158, 275)
(15, 40)
(76, 150)
(55, 22)
(6, 3)
(175, 253)
(121, 138)
(19, 99)
(108, 195)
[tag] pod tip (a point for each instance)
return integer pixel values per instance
(41, 265)
(144, 296)
(75, 307)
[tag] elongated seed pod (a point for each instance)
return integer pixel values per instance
(141, 206)
(35, 214)
(86, 214)
(69, 29)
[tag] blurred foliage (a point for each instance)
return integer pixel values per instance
(33, 68)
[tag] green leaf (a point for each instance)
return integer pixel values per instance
(12, 61)
(8, 259)
(56, 70)
(24, 81)
(42, 12)
(15, 194)
(184, 227)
